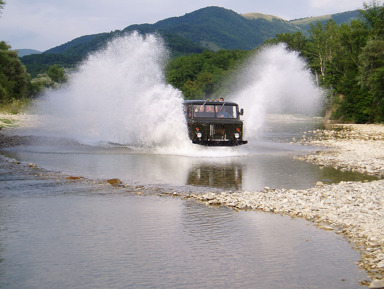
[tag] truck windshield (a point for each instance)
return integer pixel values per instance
(215, 110)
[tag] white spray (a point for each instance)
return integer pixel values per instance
(118, 95)
(275, 80)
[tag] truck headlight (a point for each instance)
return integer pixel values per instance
(237, 135)
(198, 134)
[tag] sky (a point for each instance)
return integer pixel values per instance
(44, 24)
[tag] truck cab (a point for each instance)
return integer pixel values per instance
(214, 123)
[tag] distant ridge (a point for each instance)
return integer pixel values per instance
(345, 17)
(24, 52)
(253, 16)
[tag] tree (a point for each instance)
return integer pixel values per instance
(39, 83)
(201, 75)
(372, 58)
(294, 41)
(57, 74)
(372, 73)
(374, 17)
(13, 76)
(349, 100)
(324, 43)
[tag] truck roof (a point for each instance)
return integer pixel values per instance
(208, 101)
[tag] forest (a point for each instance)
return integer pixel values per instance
(347, 60)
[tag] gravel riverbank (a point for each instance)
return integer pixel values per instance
(354, 209)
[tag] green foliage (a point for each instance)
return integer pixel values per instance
(13, 76)
(364, 55)
(16, 85)
(57, 74)
(348, 60)
(374, 18)
(323, 44)
(372, 73)
(39, 83)
(15, 106)
(294, 41)
(202, 75)
(40, 63)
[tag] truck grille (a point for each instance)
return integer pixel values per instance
(217, 131)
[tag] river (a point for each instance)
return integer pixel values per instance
(57, 234)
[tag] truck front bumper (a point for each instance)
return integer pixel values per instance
(228, 143)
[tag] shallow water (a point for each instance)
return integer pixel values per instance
(65, 237)
(266, 161)
(56, 234)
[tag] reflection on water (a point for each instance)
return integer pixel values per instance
(269, 164)
(226, 176)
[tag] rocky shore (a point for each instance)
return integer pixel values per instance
(351, 147)
(354, 209)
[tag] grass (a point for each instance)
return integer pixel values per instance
(5, 122)
(16, 106)
(7, 110)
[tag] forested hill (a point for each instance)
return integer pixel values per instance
(210, 28)
(215, 28)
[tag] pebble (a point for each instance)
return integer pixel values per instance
(377, 284)
(115, 182)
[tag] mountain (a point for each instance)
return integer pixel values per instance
(24, 52)
(339, 18)
(210, 28)
(216, 28)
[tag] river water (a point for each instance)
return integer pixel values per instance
(60, 235)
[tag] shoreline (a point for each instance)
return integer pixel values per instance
(353, 209)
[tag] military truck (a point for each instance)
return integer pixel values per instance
(214, 123)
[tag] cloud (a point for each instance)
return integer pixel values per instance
(342, 5)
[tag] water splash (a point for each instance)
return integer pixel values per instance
(118, 95)
(278, 81)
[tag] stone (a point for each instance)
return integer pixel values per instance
(381, 264)
(114, 182)
(377, 284)
(74, 178)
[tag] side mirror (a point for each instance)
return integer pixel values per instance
(241, 111)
